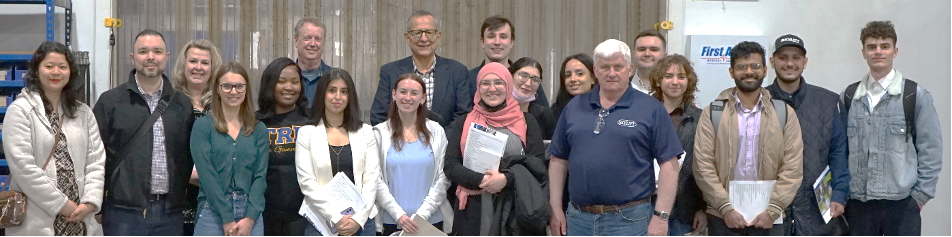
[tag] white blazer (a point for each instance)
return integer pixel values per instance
(435, 199)
(312, 159)
(27, 142)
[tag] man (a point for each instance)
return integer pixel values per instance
(147, 164)
(609, 162)
(824, 138)
(895, 142)
(309, 35)
(447, 93)
(496, 37)
(649, 48)
(752, 144)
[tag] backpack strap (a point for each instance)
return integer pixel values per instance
(909, 107)
(781, 108)
(717, 108)
(848, 101)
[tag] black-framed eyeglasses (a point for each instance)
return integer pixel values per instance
(239, 88)
(743, 67)
(600, 122)
(416, 34)
(523, 76)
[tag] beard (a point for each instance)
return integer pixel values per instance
(749, 86)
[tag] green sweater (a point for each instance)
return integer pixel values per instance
(226, 165)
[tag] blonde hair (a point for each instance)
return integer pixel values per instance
(178, 71)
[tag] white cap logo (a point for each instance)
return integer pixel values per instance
(794, 40)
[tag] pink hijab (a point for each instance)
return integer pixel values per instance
(510, 117)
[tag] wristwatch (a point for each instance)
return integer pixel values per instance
(664, 216)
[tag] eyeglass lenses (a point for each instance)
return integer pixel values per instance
(755, 66)
(416, 34)
(237, 87)
(524, 76)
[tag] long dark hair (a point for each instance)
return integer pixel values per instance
(245, 114)
(269, 80)
(70, 97)
(563, 97)
(351, 113)
(396, 125)
(662, 66)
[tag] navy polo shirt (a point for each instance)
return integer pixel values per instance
(614, 167)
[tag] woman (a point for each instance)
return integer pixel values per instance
(52, 144)
(411, 157)
(193, 66)
(674, 83)
(527, 73)
(338, 142)
(230, 150)
(483, 197)
(576, 78)
(282, 110)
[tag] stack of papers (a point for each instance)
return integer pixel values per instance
(425, 228)
(484, 148)
(823, 187)
(750, 198)
(342, 193)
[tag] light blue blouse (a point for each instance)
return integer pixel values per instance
(410, 174)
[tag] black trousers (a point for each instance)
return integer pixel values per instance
(717, 227)
(884, 217)
(281, 223)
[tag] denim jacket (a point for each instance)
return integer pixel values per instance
(883, 163)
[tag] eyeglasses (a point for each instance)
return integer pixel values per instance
(239, 88)
(416, 34)
(743, 67)
(600, 123)
(524, 76)
(488, 83)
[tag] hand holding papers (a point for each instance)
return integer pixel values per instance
(750, 198)
(823, 187)
(484, 148)
(340, 191)
(426, 229)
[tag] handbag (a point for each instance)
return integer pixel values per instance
(13, 202)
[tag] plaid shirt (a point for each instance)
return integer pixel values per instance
(160, 174)
(428, 80)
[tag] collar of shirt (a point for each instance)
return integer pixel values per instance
(141, 91)
(884, 82)
(740, 106)
(416, 69)
(637, 83)
(794, 99)
(595, 101)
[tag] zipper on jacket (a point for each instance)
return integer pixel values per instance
(144, 212)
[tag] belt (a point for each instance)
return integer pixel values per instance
(599, 209)
(157, 197)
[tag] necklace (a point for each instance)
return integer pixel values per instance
(337, 156)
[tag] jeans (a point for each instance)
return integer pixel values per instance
(209, 222)
(717, 227)
(678, 228)
(156, 220)
(884, 217)
(629, 221)
(369, 229)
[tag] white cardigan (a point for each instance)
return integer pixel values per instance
(28, 140)
(435, 199)
(312, 159)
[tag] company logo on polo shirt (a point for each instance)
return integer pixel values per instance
(627, 123)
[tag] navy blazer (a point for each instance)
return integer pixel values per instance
(452, 97)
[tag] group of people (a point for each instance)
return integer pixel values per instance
(160, 156)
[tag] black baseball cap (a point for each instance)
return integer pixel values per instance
(789, 40)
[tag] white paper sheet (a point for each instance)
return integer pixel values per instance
(484, 148)
(425, 228)
(750, 198)
(341, 191)
(823, 188)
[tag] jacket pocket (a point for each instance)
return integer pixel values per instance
(897, 138)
